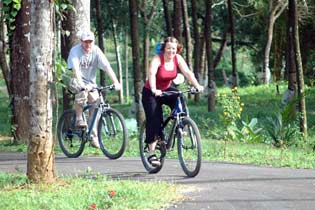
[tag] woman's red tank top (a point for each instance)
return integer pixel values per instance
(164, 77)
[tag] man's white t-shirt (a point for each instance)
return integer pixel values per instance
(87, 63)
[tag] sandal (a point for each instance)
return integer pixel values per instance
(154, 161)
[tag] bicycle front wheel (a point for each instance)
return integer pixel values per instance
(69, 136)
(189, 147)
(112, 134)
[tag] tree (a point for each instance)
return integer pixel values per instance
(177, 20)
(40, 154)
(211, 82)
(275, 10)
(232, 32)
(147, 21)
(187, 33)
(19, 73)
(197, 52)
(293, 21)
(3, 51)
(100, 30)
(134, 27)
(168, 20)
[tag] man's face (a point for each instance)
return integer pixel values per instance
(87, 45)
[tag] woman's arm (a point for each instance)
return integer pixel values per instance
(188, 73)
(154, 65)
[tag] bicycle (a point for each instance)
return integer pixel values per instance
(181, 127)
(111, 129)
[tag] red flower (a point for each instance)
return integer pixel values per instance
(111, 193)
(93, 206)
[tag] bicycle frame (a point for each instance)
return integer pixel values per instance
(179, 111)
(100, 107)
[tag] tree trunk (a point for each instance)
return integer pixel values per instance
(168, 19)
(177, 20)
(40, 154)
(196, 34)
(147, 21)
(126, 65)
(299, 68)
(20, 62)
(188, 36)
(118, 60)
(134, 25)
(3, 51)
(219, 54)
(290, 58)
(232, 32)
(274, 12)
(208, 40)
(100, 33)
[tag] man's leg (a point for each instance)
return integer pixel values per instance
(92, 100)
(79, 103)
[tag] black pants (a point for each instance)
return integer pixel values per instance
(153, 112)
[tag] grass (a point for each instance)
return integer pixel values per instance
(89, 192)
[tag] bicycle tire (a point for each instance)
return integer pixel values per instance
(189, 147)
(143, 148)
(69, 136)
(112, 134)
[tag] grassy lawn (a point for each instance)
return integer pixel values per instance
(88, 192)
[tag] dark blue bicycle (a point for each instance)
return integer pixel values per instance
(177, 126)
(111, 129)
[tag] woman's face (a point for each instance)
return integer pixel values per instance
(87, 45)
(170, 49)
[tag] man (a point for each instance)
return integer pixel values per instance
(84, 60)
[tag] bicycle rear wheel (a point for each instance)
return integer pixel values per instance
(189, 147)
(112, 134)
(69, 136)
(160, 151)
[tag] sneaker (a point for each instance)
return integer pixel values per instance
(94, 143)
(81, 124)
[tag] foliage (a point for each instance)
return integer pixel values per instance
(93, 191)
(249, 133)
(62, 74)
(10, 11)
(232, 110)
(283, 128)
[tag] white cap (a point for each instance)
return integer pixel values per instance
(87, 35)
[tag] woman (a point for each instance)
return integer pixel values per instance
(163, 69)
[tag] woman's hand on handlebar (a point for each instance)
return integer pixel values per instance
(200, 88)
(117, 86)
(157, 92)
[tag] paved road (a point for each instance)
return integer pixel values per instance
(219, 186)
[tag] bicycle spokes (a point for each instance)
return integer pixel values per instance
(112, 134)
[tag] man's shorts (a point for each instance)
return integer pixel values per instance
(84, 97)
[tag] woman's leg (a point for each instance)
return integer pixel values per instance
(153, 113)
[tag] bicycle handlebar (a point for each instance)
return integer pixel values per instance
(108, 87)
(191, 90)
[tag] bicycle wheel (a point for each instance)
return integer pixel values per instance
(112, 134)
(143, 147)
(189, 147)
(69, 136)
